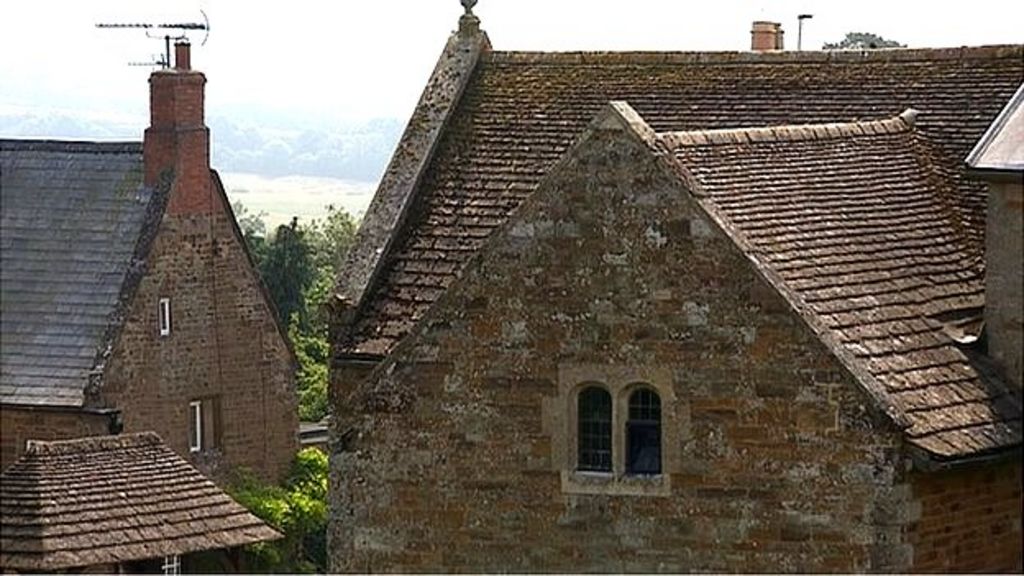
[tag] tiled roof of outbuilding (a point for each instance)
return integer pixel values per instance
(521, 111)
(73, 216)
(113, 499)
(853, 224)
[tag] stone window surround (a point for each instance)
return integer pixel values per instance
(620, 381)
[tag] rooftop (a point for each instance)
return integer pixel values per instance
(112, 499)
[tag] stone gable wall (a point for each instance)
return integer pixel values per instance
(224, 347)
(454, 455)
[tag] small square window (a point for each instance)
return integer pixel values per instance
(165, 316)
(195, 426)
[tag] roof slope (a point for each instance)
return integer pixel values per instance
(112, 499)
(851, 223)
(72, 216)
(521, 111)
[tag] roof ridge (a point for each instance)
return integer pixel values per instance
(91, 444)
(49, 145)
(904, 122)
(988, 52)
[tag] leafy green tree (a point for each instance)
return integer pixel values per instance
(254, 230)
(332, 238)
(862, 41)
(312, 352)
(298, 510)
(288, 271)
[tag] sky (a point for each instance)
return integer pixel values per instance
(305, 63)
(347, 59)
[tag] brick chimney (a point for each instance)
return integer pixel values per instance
(177, 139)
(766, 36)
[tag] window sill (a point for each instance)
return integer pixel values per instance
(610, 484)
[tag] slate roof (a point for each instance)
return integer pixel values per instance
(113, 499)
(520, 112)
(1002, 146)
(73, 216)
(853, 223)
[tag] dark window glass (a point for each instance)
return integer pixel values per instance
(643, 433)
(595, 430)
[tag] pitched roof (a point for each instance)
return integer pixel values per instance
(73, 216)
(113, 499)
(519, 112)
(1002, 146)
(853, 225)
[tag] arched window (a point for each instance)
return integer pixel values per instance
(595, 430)
(643, 433)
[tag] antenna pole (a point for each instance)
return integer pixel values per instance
(182, 27)
(800, 30)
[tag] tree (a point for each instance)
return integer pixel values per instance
(332, 238)
(862, 41)
(254, 230)
(288, 271)
(298, 510)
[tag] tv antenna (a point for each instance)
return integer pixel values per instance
(182, 29)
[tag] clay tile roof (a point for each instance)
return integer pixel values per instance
(854, 224)
(73, 214)
(113, 499)
(520, 111)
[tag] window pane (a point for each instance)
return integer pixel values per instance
(195, 423)
(595, 430)
(643, 433)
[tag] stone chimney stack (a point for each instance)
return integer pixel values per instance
(177, 140)
(766, 36)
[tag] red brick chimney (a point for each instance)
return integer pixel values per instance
(177, 139)
(766, 36)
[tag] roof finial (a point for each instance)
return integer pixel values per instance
(469, 24)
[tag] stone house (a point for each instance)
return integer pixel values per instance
(680, 312)
(130, 302)
(116, 504)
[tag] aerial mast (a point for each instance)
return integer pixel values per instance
(182, 29)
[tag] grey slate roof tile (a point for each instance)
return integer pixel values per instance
(72, 216)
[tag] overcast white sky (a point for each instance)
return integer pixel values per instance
(361, 59)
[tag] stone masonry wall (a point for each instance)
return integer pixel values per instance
(224, 348)
(970, 519)
(1004, 277)
(17, 425)
(457, 453)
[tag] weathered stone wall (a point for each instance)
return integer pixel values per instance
(1004, 277)
(17, 425)
(224, 347)
(456, 452)
(970, 519)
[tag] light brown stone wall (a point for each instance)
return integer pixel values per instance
(457, 451)
(1004, 277)
(224, 347)
(18, 425)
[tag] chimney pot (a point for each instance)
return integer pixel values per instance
(766, 36)
(182, 56)
(177, 139)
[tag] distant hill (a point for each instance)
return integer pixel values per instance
(269, 145)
